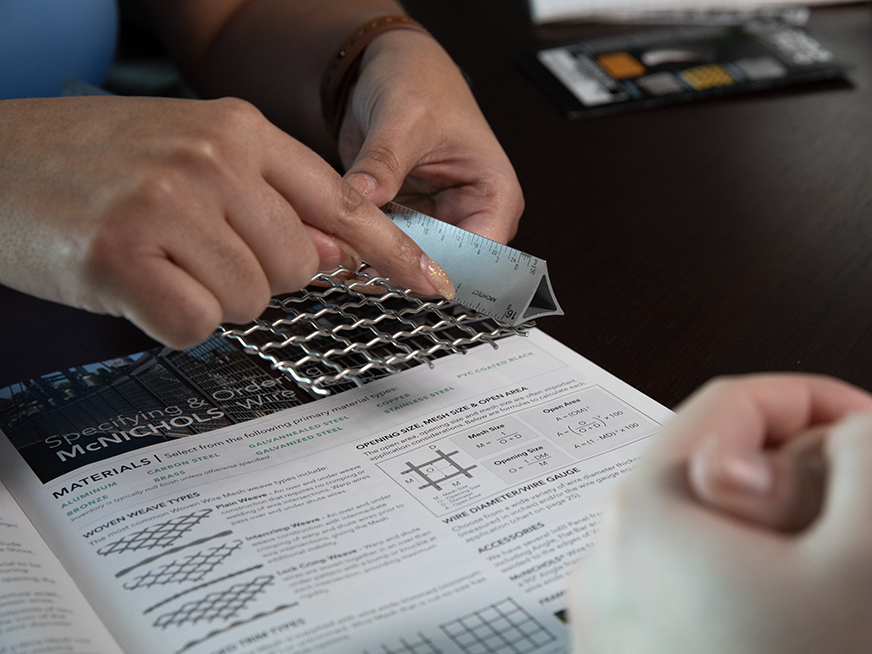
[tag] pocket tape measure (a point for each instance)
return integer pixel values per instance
(494, 279)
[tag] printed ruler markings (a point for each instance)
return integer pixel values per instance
(494, 279)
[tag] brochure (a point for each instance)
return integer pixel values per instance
(198, 502)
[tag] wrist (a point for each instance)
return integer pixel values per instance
(342, 68)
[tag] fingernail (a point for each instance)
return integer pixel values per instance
(754, 474)
(351, 260)
(362, 183)
(438, 277)
(344, 257)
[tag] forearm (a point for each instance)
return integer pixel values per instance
(270, 52)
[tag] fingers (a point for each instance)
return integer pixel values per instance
(773, 593)
(387, 155)
(181, 215)
(228, 223)
(462, 177)
(333, 252)
(751, 450)
(175, 309)
(780, 489)
(498, 220)
(414, 129)
(173, 266)
(289, 250)
(393, 122)
(747, 413)
(325, 201)
(270, 228)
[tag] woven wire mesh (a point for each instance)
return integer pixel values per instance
(354, 328)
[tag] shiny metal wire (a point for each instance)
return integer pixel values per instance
(348, 327)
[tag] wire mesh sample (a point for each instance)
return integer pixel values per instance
(349, 328)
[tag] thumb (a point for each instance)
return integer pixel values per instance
(381, 166)
(333, 252)
(780, 489)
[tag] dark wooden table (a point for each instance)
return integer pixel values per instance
(684, 242)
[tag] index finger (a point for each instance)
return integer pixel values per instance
(323, 199)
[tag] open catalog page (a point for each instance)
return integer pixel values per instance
(41, 610)
(430, 511)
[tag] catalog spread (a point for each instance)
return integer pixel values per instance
(196, 503)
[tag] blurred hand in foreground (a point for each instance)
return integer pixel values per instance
(746, 528)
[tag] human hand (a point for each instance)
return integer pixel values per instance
(178, 214)
(694, 553)
(414, 131)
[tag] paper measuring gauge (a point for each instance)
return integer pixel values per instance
(494, 279)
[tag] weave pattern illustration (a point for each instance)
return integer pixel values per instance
(218, 605)
(351, 328)
(419, 645)
(501, 628)
(160, 535)
(190, 568)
